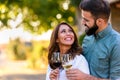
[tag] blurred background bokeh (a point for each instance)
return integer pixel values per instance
(25, 30)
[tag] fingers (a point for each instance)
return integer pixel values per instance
(54, 74)
(71, 71)
(72, 74)
(75, 74)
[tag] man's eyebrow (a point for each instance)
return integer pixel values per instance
(85, 19)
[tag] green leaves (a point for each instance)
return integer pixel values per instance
(37, 16)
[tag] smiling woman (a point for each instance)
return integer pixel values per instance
(65, 36)
(64, 41)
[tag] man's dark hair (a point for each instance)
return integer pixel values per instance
(98, 8)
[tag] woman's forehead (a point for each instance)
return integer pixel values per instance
(64, 27)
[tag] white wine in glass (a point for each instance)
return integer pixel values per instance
(67, 61)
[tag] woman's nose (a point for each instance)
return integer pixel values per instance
(68, 33)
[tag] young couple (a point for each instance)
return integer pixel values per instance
(99, 57)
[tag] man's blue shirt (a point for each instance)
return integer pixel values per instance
(102, 52)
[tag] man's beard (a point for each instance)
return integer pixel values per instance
(91, 30)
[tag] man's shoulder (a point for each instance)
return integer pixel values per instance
(88, 37)
(115, 32)
(115, 35)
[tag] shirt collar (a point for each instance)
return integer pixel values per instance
(104, 32)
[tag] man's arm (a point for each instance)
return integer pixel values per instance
(115, 60)
(89, 77)
(76, 74)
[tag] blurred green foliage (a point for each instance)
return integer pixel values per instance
(38, 57)
(16, 50)
(35, 52)
(80, 38)
(75, 2)
(36, 16)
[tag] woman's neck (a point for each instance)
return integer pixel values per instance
(64, 49)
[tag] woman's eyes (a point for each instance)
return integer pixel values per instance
(63, 31)
(70, 31)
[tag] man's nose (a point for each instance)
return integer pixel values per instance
(83, 22)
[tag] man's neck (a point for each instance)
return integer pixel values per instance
(102, 27)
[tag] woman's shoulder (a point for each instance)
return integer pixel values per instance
(80, 57)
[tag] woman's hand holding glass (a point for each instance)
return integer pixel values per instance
(56, 62)
(54, 74)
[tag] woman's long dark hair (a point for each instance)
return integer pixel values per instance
(53, 46)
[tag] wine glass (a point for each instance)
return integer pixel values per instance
(67, 61)
(56, 61)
